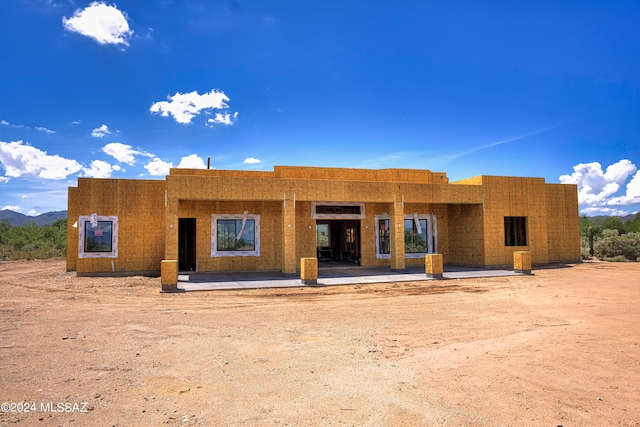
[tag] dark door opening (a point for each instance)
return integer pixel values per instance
(187, 244)
(338, 240)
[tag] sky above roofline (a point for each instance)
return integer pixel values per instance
(133, 88)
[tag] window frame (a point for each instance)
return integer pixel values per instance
(214, 235)
(432, 235)
(315, 215)
(82, 223)
(379, 218)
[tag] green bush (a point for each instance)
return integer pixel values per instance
(619, 258)
(613, 245)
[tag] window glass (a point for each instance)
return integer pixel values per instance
(322, 235)
(233, 236)
(338, 210)
(415, 240)
(384, 243)
(98, 238)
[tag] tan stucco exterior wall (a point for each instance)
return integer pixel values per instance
(270, 239)
(139, 206)
(562, 204)
(552, 219)
(509, 196)
(465, 236)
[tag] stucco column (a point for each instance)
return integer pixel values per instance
(396, 223)
(289, 237)
(171, 230)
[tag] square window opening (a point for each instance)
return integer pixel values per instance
(235, 235)
(98, 236)
(515, 231)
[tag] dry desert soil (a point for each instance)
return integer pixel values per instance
(558, 348)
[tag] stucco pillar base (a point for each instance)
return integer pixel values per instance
(309, 271)
(169, 275)
(522, 262)
(171, 289)
(433, 266)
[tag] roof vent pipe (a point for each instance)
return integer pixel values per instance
(208, 162)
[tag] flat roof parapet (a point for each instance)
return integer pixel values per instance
(325, 173)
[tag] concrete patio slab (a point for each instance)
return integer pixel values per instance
(327, 276)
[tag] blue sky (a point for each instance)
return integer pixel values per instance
(129, 89)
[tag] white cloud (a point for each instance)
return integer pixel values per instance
(597, 189)
(157, 167)
(192, 162)
(100, 132)
(225, 119)
(4, 179)
(633, 187)
(33, 212)
(124, 153)
(24, 197)
(102, 22)
(604, 211)
(6, 123)
(185, 106)
(38, 128)
(252, 160)
(116, 168)
(20, 159)
(76, 122)
(98, 169)
(15, 208)
(591, 174)
(633, 192)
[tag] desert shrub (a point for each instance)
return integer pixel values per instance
(613, 223)
(584, 248)
(619, 258)
(30, 241)
(612, 245)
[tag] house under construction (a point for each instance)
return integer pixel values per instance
(220, 220)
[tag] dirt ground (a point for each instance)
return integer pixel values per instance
(559, 348)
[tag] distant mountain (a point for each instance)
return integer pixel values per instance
(17, 219)
(598, 219)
